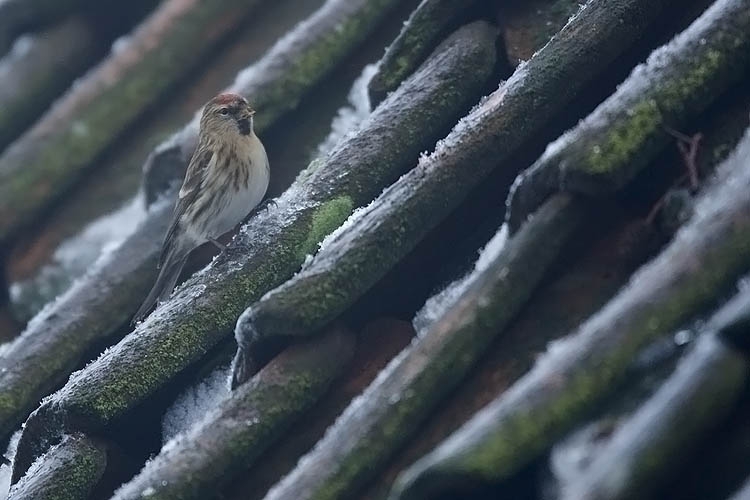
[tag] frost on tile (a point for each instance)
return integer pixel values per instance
(195, 402)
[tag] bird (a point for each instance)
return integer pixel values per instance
(226, 179)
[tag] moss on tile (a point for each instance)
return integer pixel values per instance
(325, 218)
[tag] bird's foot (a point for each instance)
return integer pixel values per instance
(265, 204)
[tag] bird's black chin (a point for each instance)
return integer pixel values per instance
(244, 126)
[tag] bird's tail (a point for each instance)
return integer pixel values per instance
(163, 287)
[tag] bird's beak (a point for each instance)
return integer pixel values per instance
(245, 124)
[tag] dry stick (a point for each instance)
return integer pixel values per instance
(678, 81)
(583, 368)
(277, 82)
(54, 155)
(270, 248)
(419, 36)
(391, 409)
(69, 470)
(43, 67)
(703, 389)
(236, 433)
(96, 306)
(723, 130)
(688, 146)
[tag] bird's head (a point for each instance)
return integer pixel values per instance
(227, 116)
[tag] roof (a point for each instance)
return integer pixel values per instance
(515, 263)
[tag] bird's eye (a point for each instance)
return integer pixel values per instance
(224, 111)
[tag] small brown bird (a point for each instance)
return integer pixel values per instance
(226, 179)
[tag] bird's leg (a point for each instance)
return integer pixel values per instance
(221, 246)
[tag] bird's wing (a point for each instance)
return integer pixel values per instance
(194, 176)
